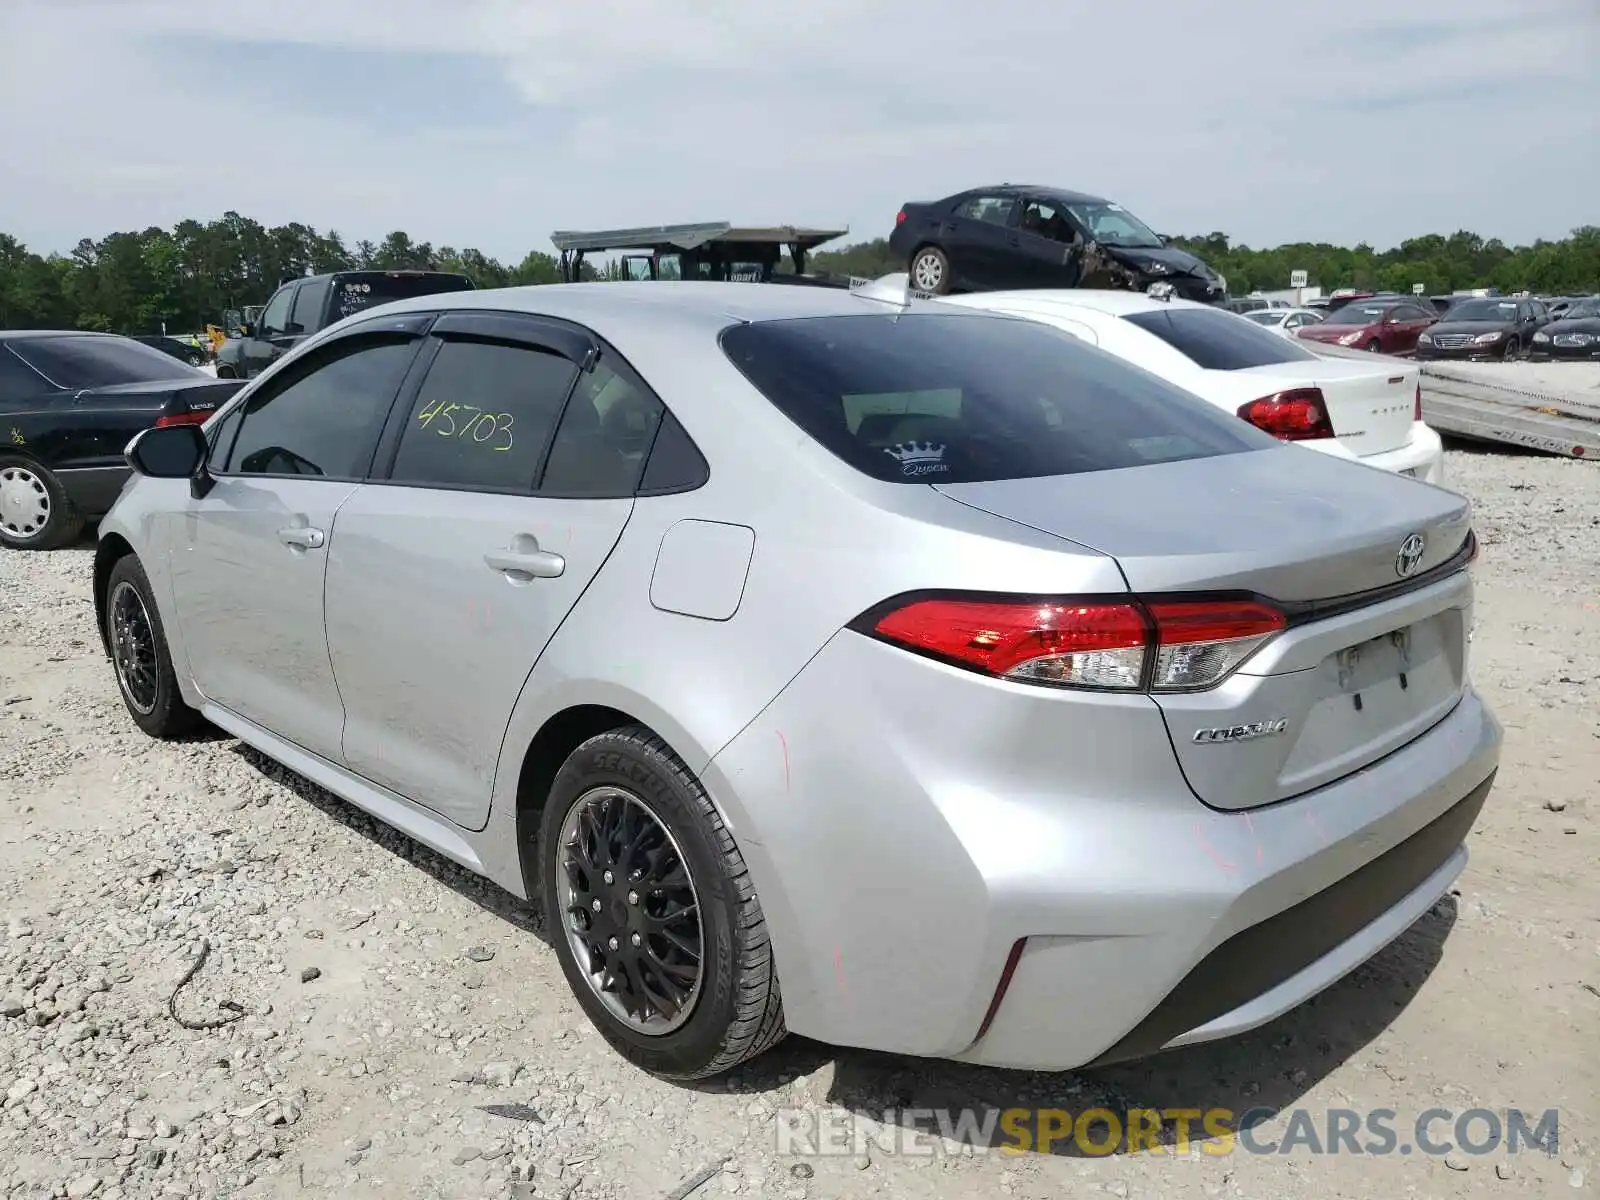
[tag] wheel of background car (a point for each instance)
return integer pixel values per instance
(138, 644)
(1374, 346)
(35, 511)
(1513, 348)
(194, 360)
(226, 373)
(652, 911)
(930, 271)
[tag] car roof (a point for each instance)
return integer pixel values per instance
(23, 335)
(709, 304)
(1032, 189)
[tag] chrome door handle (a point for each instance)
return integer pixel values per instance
(301, 535)
(531, 564)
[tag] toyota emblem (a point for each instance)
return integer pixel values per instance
(1410, 556)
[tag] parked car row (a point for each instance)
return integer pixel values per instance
(812, 601)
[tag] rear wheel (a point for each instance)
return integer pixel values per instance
(35, 511)
(226, 373)
(194, 360)
(138, 643)
(652, 911)
(930, 271)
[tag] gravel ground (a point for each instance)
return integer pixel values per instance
(373, 1005)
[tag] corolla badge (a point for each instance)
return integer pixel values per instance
(1241, 733)
(1409, 558)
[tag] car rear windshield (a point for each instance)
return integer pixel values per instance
(1218, 341)
(92, 362)
(925, 398)
(352, 293)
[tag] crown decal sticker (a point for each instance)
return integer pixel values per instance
(917, 458)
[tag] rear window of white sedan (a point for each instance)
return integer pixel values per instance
(1220, 341)
(931, 398)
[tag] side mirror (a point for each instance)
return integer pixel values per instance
(170, 452)
(246, 329)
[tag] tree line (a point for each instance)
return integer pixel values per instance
(188, 276)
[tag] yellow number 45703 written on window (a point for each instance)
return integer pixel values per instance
(469, 422)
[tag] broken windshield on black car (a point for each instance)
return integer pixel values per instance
(924, 398)
(1114, 225)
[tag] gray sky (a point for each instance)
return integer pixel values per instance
(490, 123)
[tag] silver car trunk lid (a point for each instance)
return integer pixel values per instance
(1375, 653)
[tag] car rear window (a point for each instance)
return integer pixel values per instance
(353, 293)
(1218, 341)
(96, 361)
(926, 398)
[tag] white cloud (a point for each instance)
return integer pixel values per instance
(1269, 121)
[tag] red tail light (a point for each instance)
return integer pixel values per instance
(900, 217)
(1297, 415)
(1117, 645)
(183, 418)
(1416, 404)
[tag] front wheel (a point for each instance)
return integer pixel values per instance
(930, 271)
(653, 913)
(1374, 346)
(1512, 350)
(35, 511)
(138, 644)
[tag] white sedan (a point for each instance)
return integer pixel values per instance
(1284, 320)
(1368, 411)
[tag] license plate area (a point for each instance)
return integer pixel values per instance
(1386, 660)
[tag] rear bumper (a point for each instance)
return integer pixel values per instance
(1421, 457)
(907, 825)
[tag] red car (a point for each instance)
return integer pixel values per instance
(1386, 326)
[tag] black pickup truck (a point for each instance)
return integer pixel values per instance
(70, 402)
(301, 307)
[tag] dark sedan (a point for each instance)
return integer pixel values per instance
(1488, 328)
(69, 404)
(177, 348)
(1575, 337)
(1017, 236)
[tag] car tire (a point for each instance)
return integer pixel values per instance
(929, 271)
(1512, 351)
(194, 360)
(732, 1010)
(35, 511)
(140, 658)
(226, 373)
(1374, 346)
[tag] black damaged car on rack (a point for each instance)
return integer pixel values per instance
(70, 402)
(1024, 236)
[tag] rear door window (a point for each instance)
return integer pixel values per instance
(483, 417)
(992, 210)
(605, 434)
(925, 398)
(353, 293)
(1218, 341)
(95, 360)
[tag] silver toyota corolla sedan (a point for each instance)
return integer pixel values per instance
(904, 676)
